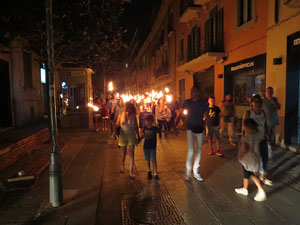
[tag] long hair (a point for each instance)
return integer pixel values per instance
(130, 108)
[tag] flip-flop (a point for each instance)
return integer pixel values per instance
(132, 177)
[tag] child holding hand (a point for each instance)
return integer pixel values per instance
(150, 134)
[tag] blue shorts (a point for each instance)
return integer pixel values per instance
(150, 153)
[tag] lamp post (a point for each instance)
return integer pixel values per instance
(55, 174)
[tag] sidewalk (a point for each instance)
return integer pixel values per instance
(96, 193)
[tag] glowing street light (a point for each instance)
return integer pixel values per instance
(185, 112)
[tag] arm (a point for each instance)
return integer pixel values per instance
(267, 134)
(246, 116)
(243, 150)
(275, 103)
(117, 123)
(136, 127)
(179, 117)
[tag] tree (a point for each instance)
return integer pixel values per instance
(86, 32)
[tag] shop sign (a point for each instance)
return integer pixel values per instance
(251, 65)
(77, 73)
(242, 66)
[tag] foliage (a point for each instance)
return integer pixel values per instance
(86, 32)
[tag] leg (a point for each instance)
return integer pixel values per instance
(209, 140)
(131, 158)
(124, 150)
(148, 165)
(217, 143)
(190, 140)
(230, 131)
(198, 155)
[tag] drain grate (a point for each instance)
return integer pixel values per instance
(158, 210)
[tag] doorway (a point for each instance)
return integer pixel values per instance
(5, 97)
(292, 108)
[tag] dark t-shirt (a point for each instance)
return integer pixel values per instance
(195, 114)
(151, 136)
(212, 116)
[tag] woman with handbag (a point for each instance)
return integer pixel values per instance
(248, 156)
(258, 115)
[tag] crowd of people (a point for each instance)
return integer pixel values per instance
(131, 121)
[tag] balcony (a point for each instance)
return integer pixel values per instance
(292, 3)
(200, 61)
(189, 11)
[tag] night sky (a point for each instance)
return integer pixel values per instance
(139, 14)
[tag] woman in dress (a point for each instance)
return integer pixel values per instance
(129, 135)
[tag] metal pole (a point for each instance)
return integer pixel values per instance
(55, 174)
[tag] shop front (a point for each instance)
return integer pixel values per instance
(292, 107)
(73, 97)
(244, 78)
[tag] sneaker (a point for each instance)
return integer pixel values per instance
(156, 177)
(149, 175)
(241, 191)
(211, 151)
(267, 182)
(260, 196)
(198, 177)
(186, 176)
(219, 153)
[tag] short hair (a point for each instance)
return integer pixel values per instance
(213, 97)
(251, 123)
(256, 96)
(270, 88)
(150, 118)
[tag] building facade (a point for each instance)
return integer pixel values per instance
(226, 46)
(21, 88)
(283, 65)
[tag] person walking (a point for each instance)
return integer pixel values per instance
(129, 134)
(150, 134)
(228, 117)
(258, 115)
(270, 105)
(248, 156)
(212, 124)
(104, 114)
(97, 114)
(195, 109)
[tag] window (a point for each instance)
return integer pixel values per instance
(182, 49)
(245, 86)
(43, 74)
(27, 63)
(194, 43)
(170, 21)
(214, 33)
(162, 36)
(244, 11)
(181, 90)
